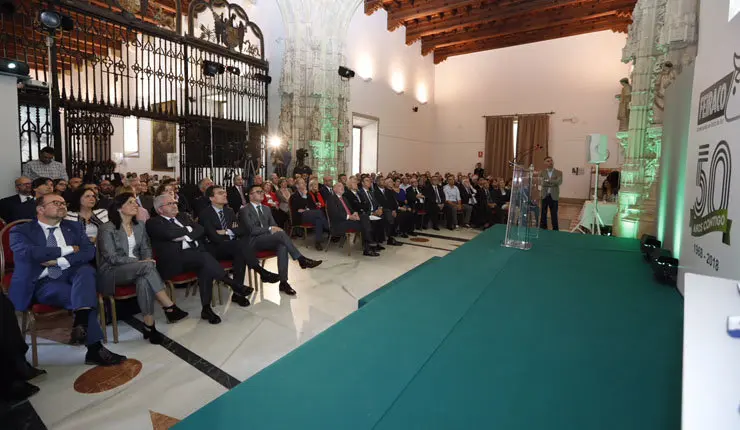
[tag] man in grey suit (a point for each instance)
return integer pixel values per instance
(265, 235)
(551, 180)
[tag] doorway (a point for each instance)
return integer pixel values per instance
(365, 131)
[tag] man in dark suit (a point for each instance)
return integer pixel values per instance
(469, 201)
(265, 235)
(178, 246)
(236, 194)
(435, 201)
(374, 209)
(415, 197)
(387, 200)
(27, 209)
(202, 202)
(24, 192)
(501, 197)
(326, 188)
(343, 219)
(52, 267)
(487, 205)
(227, 239)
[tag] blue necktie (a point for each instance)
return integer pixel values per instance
(222, 218)
(55, 272)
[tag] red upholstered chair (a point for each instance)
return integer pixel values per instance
(254, 277)
(422, 213)
(122, 292)
(6, 254)
(228, 266)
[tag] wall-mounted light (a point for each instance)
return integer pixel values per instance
(263, 78)
(365, 68)
(346, 73)
(422, 94)
(211, 68)
(275, 141)
(398, 83)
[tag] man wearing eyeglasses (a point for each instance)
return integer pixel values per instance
(178, 244)
(265, 235)
(52, 268)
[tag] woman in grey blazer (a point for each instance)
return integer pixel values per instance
(125, 257)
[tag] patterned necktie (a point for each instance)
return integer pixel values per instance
(55, 272)
(222, 218)
(259, 214)
(345, 205)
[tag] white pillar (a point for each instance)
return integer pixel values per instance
(10, 167)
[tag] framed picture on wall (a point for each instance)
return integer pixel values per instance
(164, 137)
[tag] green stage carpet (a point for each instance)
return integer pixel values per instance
(571, 335)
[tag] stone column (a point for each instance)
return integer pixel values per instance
(662, 32)
(314, 99)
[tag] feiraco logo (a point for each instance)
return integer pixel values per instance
(709, 213)
(722, 99)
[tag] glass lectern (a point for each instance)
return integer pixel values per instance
(524, 212)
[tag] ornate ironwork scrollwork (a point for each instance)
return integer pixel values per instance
(225, 24)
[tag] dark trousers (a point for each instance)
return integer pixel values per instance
(12, 345)
(405, 221)
(282, 245)
(363, 226)
(281, 218)
(318, 219)
(75, 289)
(239, 253)
(390, 223)
(208, 269)
(433, 214)
(548, 202)
(450, 215)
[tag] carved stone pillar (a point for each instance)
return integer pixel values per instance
(314, 99)
(654, 38)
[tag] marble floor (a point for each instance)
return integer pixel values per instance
(163, 384)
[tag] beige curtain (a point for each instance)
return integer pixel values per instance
(499, 146)
(532, 140)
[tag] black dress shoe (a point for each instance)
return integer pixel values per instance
(393, 242)
(307, 263)
(240, 300)
(208, 314)
(285, 288)
(174, 314)
(28, 372)
(318, 246)
(378, 247)
(269, 277)
(335, 239)
(151, 333)
(19, 391)
(370, 253)
(78, 335)
(403, 235)
(103, 357)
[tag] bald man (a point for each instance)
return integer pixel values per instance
(23, 192)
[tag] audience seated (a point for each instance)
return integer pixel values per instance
(52, 267)
(60, 186)
(467, 197)
(283, 194)
(306, 211)
(325, 189)
(227, 239)
(265, 235)
(178, 245)
(142, 215)
(453, 203)
(202, 201)
(81, 209)
(9, 205)
(344, 219)
(125, 257)
(415, 200)
(405, 211)
(387, 200)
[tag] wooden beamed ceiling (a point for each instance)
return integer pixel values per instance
(448, 27)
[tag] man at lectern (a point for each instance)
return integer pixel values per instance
(551, 180)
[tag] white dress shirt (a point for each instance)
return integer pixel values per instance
(452, 194)
(62, 262)
(228, 230)
(184, 239)
(258, 205)
(131, 245)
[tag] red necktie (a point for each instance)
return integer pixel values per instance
(345, 205)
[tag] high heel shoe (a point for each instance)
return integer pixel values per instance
(174, 314)
(151, 333)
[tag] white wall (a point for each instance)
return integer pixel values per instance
(143, 163)
(404, 136)
(10, 168)
(574, 77)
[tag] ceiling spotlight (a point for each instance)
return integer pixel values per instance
(233, 70)
(211, 68)
(263, 78)
(346, 73)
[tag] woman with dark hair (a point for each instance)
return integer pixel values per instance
(125, 257)
(60, 186)
(81, 209)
